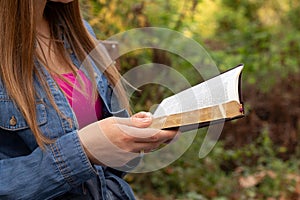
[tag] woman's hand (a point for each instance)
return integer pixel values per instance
(115, 141)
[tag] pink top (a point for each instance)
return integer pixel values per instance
(86, 109)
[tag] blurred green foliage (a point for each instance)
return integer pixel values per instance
(265, 36)
(223, 174)
(262, 34)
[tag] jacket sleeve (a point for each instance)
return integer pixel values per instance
(46, 173)
(89, 28)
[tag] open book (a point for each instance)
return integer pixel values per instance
(213, 101)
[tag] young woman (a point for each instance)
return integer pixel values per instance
(50, 148)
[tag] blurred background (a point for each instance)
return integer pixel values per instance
(257, 156)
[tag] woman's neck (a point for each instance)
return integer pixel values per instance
(42, 26)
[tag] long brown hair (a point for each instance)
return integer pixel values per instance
(18, 52)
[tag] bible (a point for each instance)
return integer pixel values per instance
(215, 100)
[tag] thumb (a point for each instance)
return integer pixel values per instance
(139, 120)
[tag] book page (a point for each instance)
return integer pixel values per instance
(220, 89)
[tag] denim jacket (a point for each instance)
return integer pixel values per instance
(62, 170)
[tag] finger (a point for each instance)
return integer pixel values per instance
(167, 135)
(139, 120)
(148, 135)
(139, 134)
(142, 114)
(174, 139)
(146, 147)
(142, 119)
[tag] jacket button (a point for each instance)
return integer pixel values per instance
(13, 121)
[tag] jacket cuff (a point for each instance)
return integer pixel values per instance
(71, 160)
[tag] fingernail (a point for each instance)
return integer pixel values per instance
(149, 114)
(146, 119)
